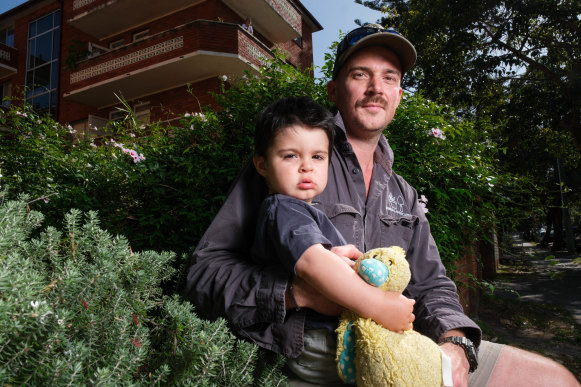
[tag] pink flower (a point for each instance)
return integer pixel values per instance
(438, 133)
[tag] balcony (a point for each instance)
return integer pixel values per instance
(8, 61)
(276, 20)
(105, 18)
(186, 54)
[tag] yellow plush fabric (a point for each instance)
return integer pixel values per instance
(385, 358)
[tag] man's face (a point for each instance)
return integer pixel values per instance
(367, 91)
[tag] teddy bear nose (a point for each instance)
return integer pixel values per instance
(373, 271)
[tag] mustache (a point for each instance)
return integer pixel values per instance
(375, 99)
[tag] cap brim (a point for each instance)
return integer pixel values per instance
(402, 47)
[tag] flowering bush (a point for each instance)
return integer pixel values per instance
(453, 165)
(160, 185)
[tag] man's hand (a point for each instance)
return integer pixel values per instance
(460, 365)
(307, 297)
(349, 253)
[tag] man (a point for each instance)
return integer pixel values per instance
(274, 311)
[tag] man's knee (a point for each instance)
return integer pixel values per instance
(516, 367)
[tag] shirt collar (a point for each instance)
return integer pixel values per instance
(383, 153)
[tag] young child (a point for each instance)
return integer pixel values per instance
(293, 146)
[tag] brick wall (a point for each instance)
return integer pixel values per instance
(301, 56)
(466, 267)
(227, 38)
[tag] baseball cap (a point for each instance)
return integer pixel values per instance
(375, 35)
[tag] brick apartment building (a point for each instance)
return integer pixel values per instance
(68, 58)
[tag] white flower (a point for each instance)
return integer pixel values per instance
(224, 78)
(34, 304)
(423, 201)
(201, 116)
(48, 313)
(438, 133)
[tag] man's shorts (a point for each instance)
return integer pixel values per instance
(316, 366)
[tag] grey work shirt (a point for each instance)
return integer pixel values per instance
(287, 227)
(223, 281)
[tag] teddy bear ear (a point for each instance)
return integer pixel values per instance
(373, 271)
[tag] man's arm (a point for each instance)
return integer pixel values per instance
(460, 364)
(438, 309)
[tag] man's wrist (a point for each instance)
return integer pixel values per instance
(468, 347)
(290, 299)
(291, 294)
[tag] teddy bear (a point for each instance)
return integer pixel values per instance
(370, 355)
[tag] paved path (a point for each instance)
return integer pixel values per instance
(553, 281)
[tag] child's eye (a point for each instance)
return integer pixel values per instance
(319, 157)
(289, 156)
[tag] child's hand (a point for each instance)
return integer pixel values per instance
(395, 312)
(348, 253)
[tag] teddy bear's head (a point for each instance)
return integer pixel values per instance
(385, 267)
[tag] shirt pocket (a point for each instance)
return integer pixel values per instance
(347, 220)
(397, 231)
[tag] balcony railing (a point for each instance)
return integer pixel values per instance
(105, 18)
(276, 20)
(8, 61)
(187, 54)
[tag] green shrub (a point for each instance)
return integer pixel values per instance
(78, 307)
(165, 200)
(452, 167)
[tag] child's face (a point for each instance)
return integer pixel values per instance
(297, 163)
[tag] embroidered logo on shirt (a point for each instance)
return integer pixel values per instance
(396, 204)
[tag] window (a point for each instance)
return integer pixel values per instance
(116, 44)
(141, 111)
(7, 36)
(140, 35)
(6, 92)
(116, 115)
(299, 41)
(42, 63)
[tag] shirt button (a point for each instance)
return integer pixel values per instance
(355, 171)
